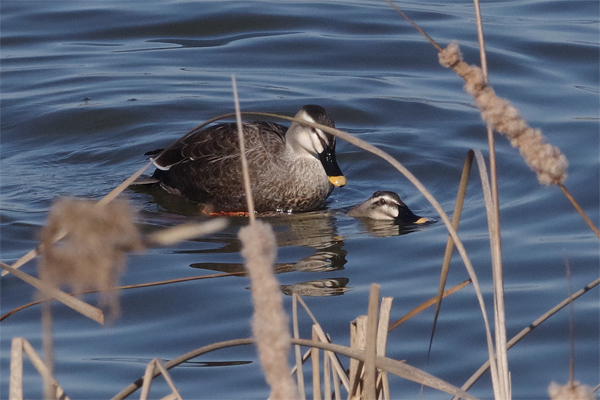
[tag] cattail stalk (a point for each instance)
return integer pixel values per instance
(270, 323)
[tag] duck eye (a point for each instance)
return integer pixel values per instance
(382, 202)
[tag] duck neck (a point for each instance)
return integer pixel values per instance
(298, 142)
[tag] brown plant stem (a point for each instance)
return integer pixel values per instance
(579, 210)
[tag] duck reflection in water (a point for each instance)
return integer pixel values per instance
(384, 214)
(315, 230)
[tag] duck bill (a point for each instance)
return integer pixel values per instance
(332, 169)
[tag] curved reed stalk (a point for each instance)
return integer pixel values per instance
(458, 205)
(246, 173)
(404, 171)
(125, 287)
(498, 282)
(395, 367)
(531, 327)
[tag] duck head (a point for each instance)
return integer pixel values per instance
(306, 141)
(385, 205)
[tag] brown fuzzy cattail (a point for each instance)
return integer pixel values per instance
(571, 391)
(92, 254)
(270, 323)
(546, 160)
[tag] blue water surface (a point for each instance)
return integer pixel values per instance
(88, 87)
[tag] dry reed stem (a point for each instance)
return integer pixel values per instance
(384, 321)
(299, 361)
(82, 307)
(458, 206)
(15, 388)
(467, 385)
(371, 344)
(105, 200)
(48, 350)
(358, 334)
(575, 204)
(170, 236)
(336, 382)
(383, 387)
(328, 374)
(494, 230)
(270, 323)
(499, 368)
(571, 324)
(395, 367)
(325, 339)
(246, 173)
(125, 287)
(316, 368)
(156, 366)
(18, 346)
(425, 305)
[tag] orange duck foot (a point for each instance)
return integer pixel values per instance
(212, 212)
(229, 214)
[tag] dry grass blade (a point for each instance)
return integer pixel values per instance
(571, 324)
(325, 339)
(82, 307)
(531, 327)
(246, 173)
(167, 237)
(382, 328)
(580, 210)
(105, 200)
(316, 368)
(458, 206)
(371, 345)
(358, 334)
(383, 387)
(502, 385)
(328, 374)
(15, 389)
(296, 328)
(134, 286)
(417, 27)
(48, 349)
(156, 366)
(395, 367)
(427, 304)
(20, 346)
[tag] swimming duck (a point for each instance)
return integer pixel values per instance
(385, 205)
(291, 169)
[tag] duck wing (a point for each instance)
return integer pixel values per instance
(219, 142)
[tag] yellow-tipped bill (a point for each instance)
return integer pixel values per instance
(338, 181)
(331, 167)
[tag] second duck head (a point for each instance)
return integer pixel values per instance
(387, 206)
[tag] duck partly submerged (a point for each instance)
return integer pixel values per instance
(387, 206)
(291, 169)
